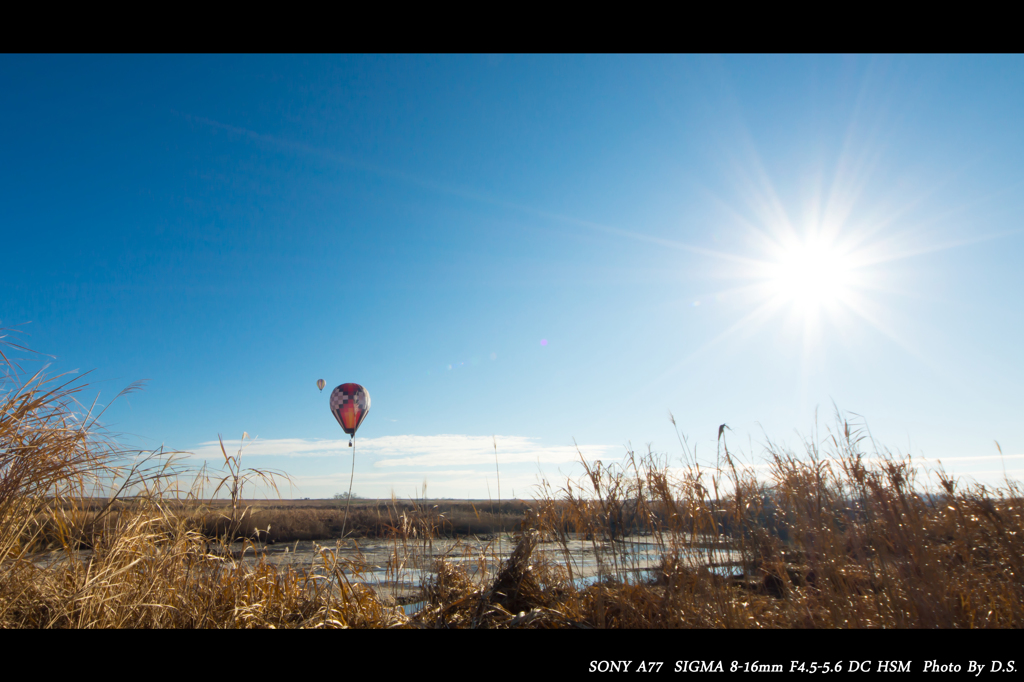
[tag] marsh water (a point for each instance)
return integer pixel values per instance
(397, 570)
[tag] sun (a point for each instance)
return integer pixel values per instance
(811, 275)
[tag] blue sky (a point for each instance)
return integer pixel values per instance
(522, 250)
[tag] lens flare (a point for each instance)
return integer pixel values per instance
(812, 274)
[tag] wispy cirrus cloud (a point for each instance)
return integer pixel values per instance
(975, 458)
(462, 466)
(448, 450)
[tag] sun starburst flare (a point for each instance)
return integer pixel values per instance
(811, 275)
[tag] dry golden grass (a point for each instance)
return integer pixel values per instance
(832, 538)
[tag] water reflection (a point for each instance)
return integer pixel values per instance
(397, 570)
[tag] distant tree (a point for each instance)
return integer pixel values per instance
(344, 496)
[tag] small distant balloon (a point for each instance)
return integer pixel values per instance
(349, 405)
(320, 383)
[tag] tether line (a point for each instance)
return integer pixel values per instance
(351, 476)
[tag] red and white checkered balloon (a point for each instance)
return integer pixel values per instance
(349, 405)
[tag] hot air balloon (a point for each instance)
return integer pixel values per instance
(320, 383)
(349, 405)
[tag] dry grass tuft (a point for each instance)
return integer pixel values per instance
(140, 558)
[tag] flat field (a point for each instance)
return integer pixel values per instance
(276, 521)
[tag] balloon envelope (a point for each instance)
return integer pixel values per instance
(349, 405)
(320, 383)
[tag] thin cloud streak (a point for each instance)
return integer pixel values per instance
(978, 458)
(411, 450)
(461, 192)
